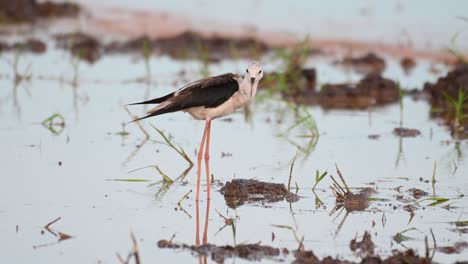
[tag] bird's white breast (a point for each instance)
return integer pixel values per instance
(237, 100)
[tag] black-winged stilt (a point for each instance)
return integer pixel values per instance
(208, 99)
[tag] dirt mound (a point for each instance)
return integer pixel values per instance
(370, 91)
(81, 45)
(239, 191)
(369, 63)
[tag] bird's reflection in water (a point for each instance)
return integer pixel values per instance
(203, 259)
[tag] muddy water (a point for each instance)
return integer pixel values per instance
(47, 175)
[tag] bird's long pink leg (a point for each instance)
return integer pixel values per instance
(207, 159)
(197, 223)
(200, 156)
(207, 216)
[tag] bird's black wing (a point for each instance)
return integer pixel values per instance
(210, 92)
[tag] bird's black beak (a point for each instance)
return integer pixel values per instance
(252, 80)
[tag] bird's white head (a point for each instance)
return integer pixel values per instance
(254, 72)
(253, 76)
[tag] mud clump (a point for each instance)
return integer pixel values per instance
(407, 64)
(406, 132)
(417, 193)
(220, 253)
(355, 201)
(239, 191)
(369, 63)
(455, 249)
(365, 247)
(370, 91)
(19, 11)
(445, 93)
(29, 45)
(81, 45)
(292, 83)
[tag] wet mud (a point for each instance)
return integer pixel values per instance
(240, 191)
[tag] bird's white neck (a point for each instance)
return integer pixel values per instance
(248, 89)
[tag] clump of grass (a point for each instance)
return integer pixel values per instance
(177, 148)
(75, 63)
(228, 222)
(305, 123)
(400, 100)
(318, 178)
(54, 123)
(340, 191)
(402, 236)
(146, 52)
(204, 57)
(291, 171)
(18, 75)
(458, 106)
(293, 60)
(453, 49)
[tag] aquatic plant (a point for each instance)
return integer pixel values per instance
(177, 148)
(146, 52)
(459, 105)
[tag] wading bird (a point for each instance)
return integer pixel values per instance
(208, 99)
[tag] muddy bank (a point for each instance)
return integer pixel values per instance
(257, 252)
(240, 191)
(449, 99)
(192, 45)
(188, 45)
(19, 11)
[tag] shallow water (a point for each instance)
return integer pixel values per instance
(100, 214)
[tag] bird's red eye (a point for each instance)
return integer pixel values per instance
(247, 70)
(260, 71)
